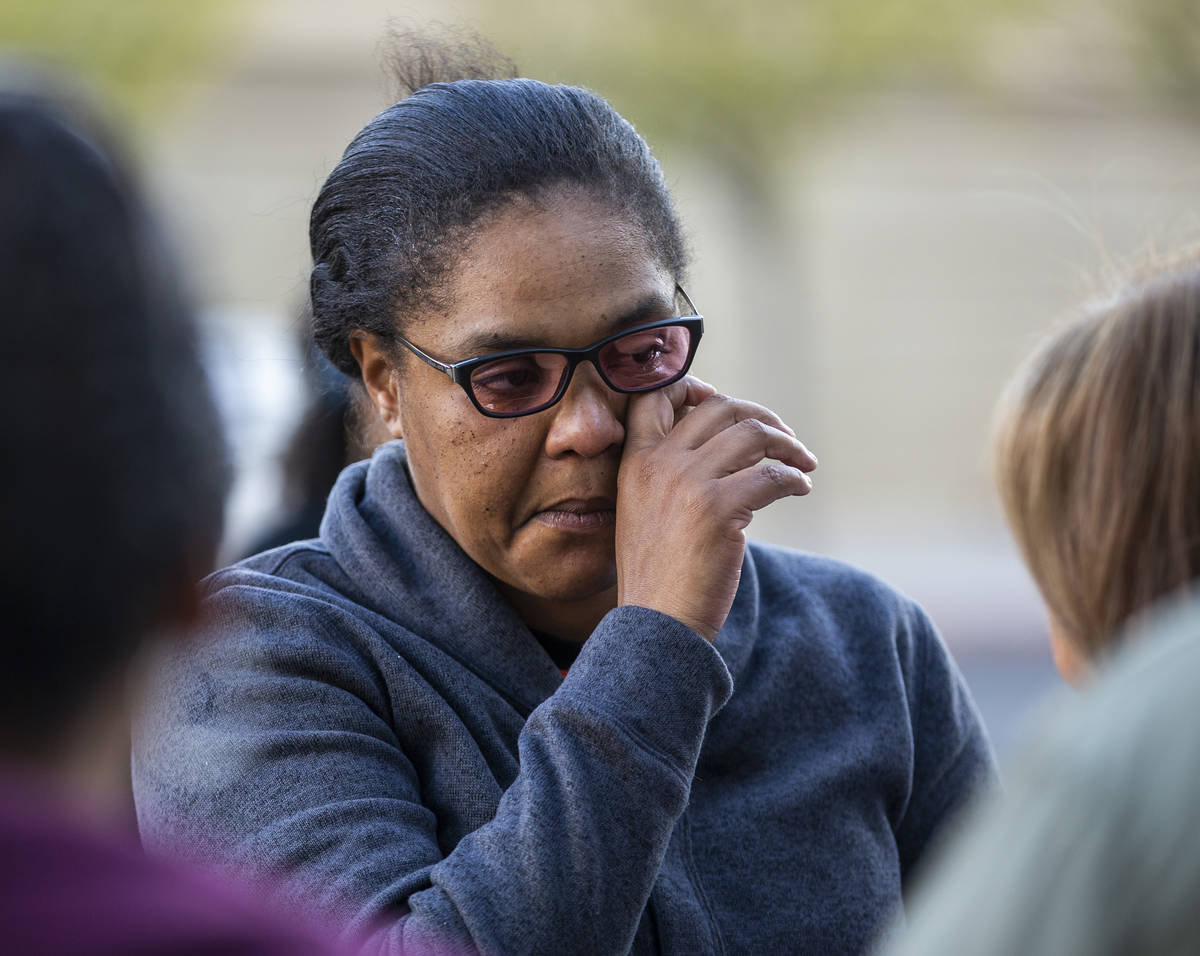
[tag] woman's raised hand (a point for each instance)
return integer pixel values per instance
(695, 467)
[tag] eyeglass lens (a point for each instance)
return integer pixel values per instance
(642, 360)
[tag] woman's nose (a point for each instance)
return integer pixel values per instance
(589, 419)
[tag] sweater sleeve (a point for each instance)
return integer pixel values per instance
(952, 759)
(277, 749)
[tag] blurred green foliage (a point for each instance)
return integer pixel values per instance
(737, 78)
(1166, 35)
(136, 52)
(735, 75)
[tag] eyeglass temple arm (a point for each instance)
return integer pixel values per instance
(428, 359)
(686, 298)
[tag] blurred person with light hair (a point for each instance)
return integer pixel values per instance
(113, 490)
(1097, 458)
(1093, 849)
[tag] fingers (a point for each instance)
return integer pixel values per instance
(719, 412)
(728, 435)
(760, 485)
(697, 390)
(748, 442)
(652, 415)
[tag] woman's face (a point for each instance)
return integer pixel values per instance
(531, 499)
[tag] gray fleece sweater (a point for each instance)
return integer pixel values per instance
(367, 717)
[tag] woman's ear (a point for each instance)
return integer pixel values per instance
(379, 376)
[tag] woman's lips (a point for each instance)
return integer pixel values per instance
(594, 514)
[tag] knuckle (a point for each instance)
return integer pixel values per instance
(777, 474)
(753, 427)
(702, 500)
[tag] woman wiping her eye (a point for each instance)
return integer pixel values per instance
(750, 747)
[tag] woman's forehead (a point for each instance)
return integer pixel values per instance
(551, 273)
(543, 250)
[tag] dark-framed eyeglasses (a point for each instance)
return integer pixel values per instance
(525, 381)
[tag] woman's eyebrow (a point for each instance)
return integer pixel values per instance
(494, 340)
(648, 309)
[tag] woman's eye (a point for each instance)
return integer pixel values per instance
(642, 349)
(509, 376)
(498, 381)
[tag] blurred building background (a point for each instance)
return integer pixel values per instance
(887, 202)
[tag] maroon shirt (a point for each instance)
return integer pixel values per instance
(66, 889)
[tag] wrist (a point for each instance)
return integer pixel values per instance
(690, 621)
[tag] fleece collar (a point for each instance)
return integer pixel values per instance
(379, 533)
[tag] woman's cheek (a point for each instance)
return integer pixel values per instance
(489, 470)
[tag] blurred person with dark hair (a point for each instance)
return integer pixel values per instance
(337, 428)
(531, 691)
(1093, 849)
(114, 483)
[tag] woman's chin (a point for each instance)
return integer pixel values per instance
(575, 578)
(571, 589)
(563, 567)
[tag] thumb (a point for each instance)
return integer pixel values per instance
(652, 415)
